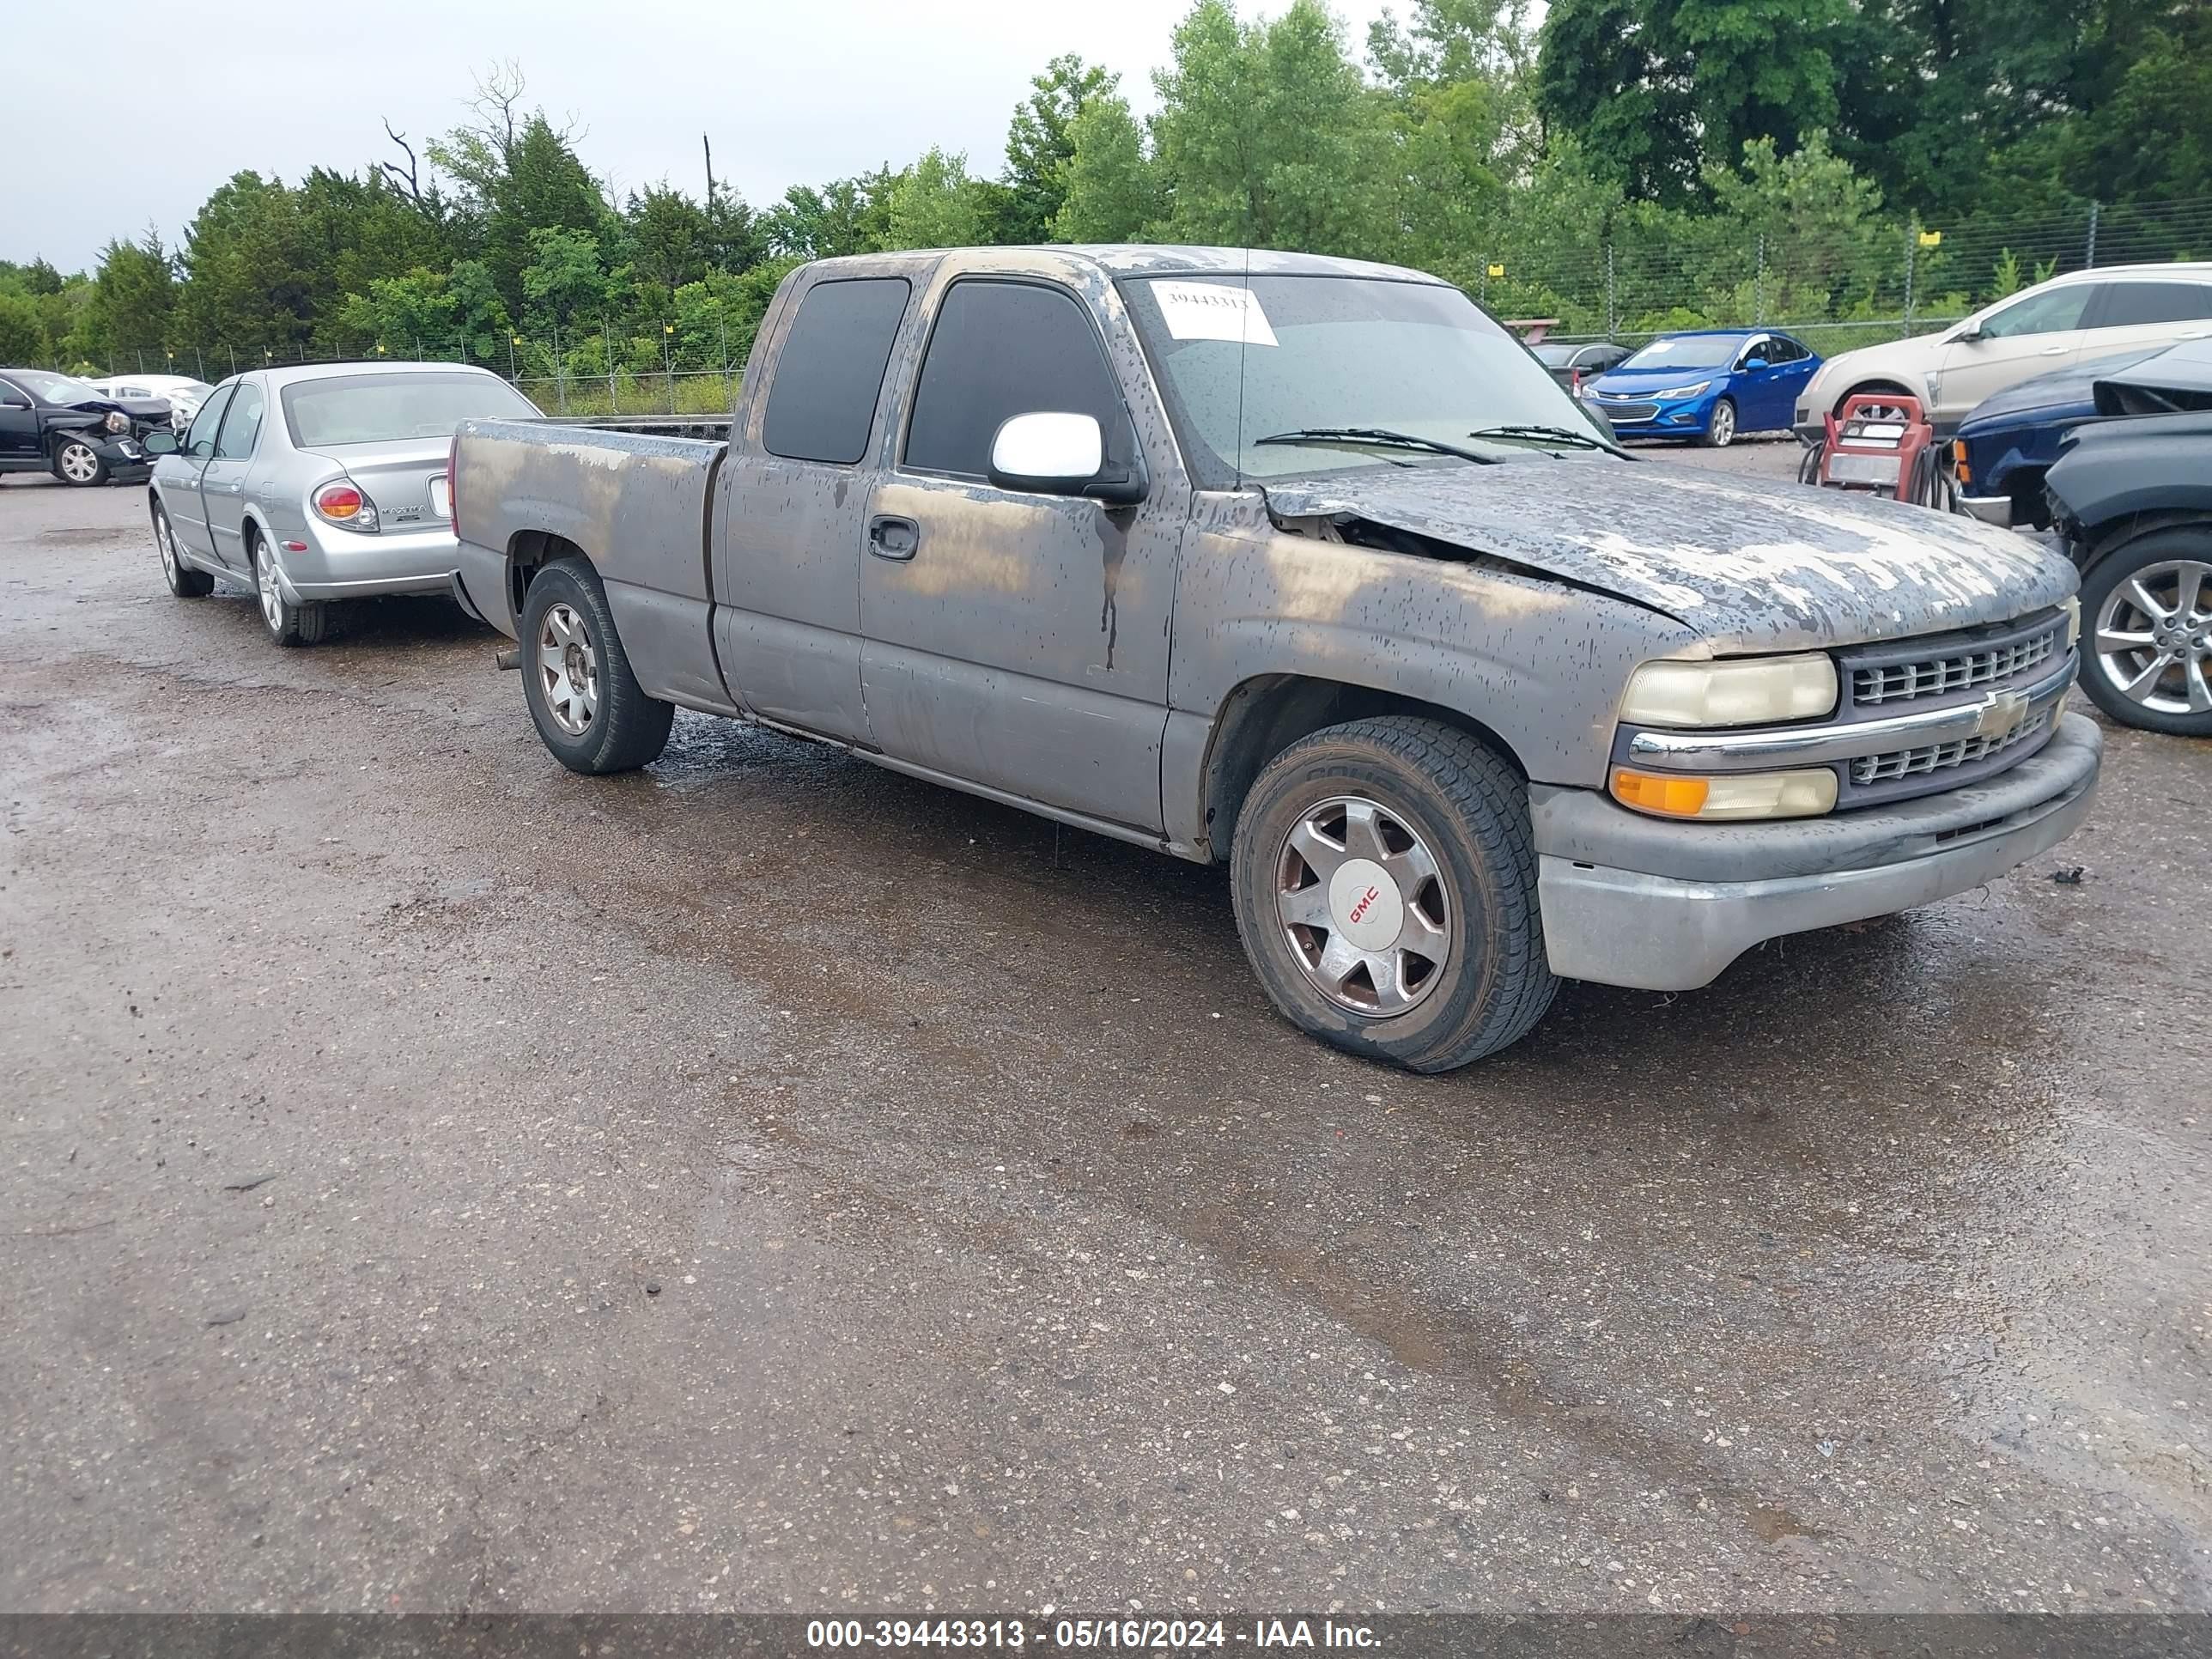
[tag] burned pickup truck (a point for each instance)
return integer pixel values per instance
(1306, 567)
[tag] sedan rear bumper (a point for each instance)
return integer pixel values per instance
(338, 564)
(1636, 901)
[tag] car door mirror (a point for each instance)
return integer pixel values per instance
(7, 401)
(1754, 362)
(1060, 453)
(1968, 335)
(161, 441)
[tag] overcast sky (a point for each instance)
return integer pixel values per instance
(157, 105)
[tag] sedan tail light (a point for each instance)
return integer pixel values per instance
(346, 505)
(452, 480)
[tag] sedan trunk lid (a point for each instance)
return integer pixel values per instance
(405, 477)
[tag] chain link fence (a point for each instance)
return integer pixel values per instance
(1836, 286)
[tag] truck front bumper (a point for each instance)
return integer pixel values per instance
(1642, 901)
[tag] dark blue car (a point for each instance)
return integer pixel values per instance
(2008, 440)
(1706, 386)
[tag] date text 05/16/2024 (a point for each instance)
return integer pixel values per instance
(1130, 1635)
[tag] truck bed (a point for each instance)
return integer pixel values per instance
(638, 505)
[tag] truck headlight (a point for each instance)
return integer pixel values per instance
(1730, 795)
(118, 420)
(1737, 691)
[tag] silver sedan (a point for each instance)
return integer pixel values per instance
(319, 482)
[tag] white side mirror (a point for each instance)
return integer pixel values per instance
(1059, 452)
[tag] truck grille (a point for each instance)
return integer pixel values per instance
(1961, 671)
(1943, 756)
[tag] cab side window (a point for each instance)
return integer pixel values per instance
(200, 441)
(829, 372)
(1000, 350)
(2052, 313)
(14, 396)
(243, 425)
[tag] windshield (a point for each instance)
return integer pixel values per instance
(374, 409)
(57, 388)
(1411, 358)
(1555, 356)
(1688, 351)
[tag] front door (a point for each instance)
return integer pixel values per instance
(222, 481)
(2032, 336)
(19, 428)
(179, 475)
(1013, 639)
(1762, 397)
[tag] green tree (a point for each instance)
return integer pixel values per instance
(1657, 90)
(846, 216)
(1111, 194)
(132, 297)
(518, 174)
(935, 204)
(23, 337)
(1041, 142)
(1266, 135)
(245, 288)
(566, 277)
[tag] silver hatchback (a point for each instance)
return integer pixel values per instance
(319, 482)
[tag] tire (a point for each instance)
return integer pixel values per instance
(77, 464)
(1720, 428)
(2162, 568)
(185, 581)
(1452, 819)
(1808, 463)
(288, 624)
(587, 706)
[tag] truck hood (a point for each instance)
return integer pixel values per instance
(1751, 565)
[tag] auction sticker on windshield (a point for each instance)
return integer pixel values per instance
(1212, 311)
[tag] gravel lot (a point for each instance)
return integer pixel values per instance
(436, 1181)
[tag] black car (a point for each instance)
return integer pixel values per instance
(2133, 498)
(51, 422)
(1573, 361)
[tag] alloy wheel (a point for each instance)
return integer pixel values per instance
(1361, 899)
(1724, 426)
(78, 464)
(264, 582)
(167, 542)
(569, 670)
(2153, 637)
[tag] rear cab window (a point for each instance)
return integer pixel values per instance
(829, 373)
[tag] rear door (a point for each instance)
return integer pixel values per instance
(1791, 364)
(222, 480)
(177, 475)
(1020, 641)
(788, 562)
(2139, 313)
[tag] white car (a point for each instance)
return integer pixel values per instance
(185, 394)
(2052, 325)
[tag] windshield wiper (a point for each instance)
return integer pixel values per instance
(1561, 434)
(1379, 437)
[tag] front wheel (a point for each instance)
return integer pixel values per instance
(1384, 874)
(185, 581)
(77, 463)
(1720, 430)
(587, 704)
(2148, 608)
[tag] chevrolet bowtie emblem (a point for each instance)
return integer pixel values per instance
(2001, 714)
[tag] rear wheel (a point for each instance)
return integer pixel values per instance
(1384, 880)
(587, 704)
(77, 463)
(1720, 430)
(288, 623)
(185, 582)
(2147, 607)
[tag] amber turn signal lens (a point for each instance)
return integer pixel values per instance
(1678, 797)
(339, 502)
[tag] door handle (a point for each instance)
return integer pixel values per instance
(890, 537)
(2054, 351)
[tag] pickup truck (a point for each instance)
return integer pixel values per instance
(1304, 565)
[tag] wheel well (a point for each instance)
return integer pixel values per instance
(1266, 715)
(1901, 389)
(2104, 540)
(530, 552)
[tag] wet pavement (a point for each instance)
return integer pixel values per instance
(437, 1181)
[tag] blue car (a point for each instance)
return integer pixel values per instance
(2008, 440)
(1708, 385)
